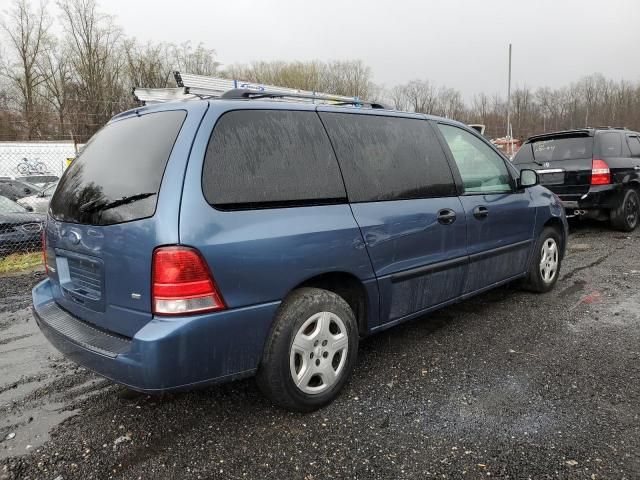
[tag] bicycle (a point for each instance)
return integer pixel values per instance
(29, 167)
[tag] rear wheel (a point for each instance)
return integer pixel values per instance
(625, 216)
(310, 352)
(545, 267)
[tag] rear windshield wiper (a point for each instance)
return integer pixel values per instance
(95, 206)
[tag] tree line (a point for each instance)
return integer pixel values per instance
(66, 85)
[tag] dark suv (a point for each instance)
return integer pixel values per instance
(594, 171)
(206, 240)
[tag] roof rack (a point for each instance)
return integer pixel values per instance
(240, 93)
(190, 86)
(609, 127)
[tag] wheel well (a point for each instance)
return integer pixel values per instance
(556, 223)
(350, 288)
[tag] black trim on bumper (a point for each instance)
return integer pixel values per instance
(81, 333)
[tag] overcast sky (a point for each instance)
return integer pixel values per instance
(457, 43)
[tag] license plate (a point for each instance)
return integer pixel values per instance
(551, 177)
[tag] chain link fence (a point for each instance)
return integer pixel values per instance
(29, 172)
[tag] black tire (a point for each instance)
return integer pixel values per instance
(535, 280)
(275, 377)
(625, 217)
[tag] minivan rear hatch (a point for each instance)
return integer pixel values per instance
(563, 161)
(103, 224)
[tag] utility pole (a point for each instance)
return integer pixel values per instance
(510, 140)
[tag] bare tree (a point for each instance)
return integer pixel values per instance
(96, 55)
(57, 75)
(199, 60)
(26, 30)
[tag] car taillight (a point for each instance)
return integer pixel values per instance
(44, 251)
(600, 173)
(182, 283)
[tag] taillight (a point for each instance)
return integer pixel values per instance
(44, 251)
(600, 173)
(182, 283)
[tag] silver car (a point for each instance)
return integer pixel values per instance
(39, 202)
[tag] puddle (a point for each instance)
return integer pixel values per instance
(38, 388)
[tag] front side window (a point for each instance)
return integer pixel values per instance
(482, 170)
(268, 159)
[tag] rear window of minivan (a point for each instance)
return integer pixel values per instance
(117, 176)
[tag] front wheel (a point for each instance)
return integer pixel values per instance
(545, 267)
(625, 216)
(310, 352)
(23, 168)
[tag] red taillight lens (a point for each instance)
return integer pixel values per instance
(600, 173)
(44, 250)
(182, 283)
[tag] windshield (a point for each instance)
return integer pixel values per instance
(117, 176)
(9, 206)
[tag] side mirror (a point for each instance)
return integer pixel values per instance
(528, 178)
(28, 208)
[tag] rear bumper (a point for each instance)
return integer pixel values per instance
(176, 354)
(600, 196)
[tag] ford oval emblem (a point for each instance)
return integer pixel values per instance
(74, 237)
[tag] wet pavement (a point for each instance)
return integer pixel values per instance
(507, 385)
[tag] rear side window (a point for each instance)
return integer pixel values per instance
(634, 145)
(117, 176)
(609, 144)
(270, 158)
(388, 158)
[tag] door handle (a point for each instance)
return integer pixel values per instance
(446, 216)
(481, 212)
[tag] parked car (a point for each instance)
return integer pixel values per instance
(594, 171)
(17, 189)
(20, 230)
(39, 202)
(40, 180)
(197, 242)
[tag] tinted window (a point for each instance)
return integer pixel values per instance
(634, 145)
(270, 158)
(555, 149)
(117, 176)
(388, 158)
(609, 144)
(481, 169)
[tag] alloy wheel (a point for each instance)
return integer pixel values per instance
(549, 260)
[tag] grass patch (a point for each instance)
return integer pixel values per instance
(17, 262)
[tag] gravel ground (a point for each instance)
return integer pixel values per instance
(508, 385)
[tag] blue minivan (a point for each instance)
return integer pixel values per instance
(206, 240)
